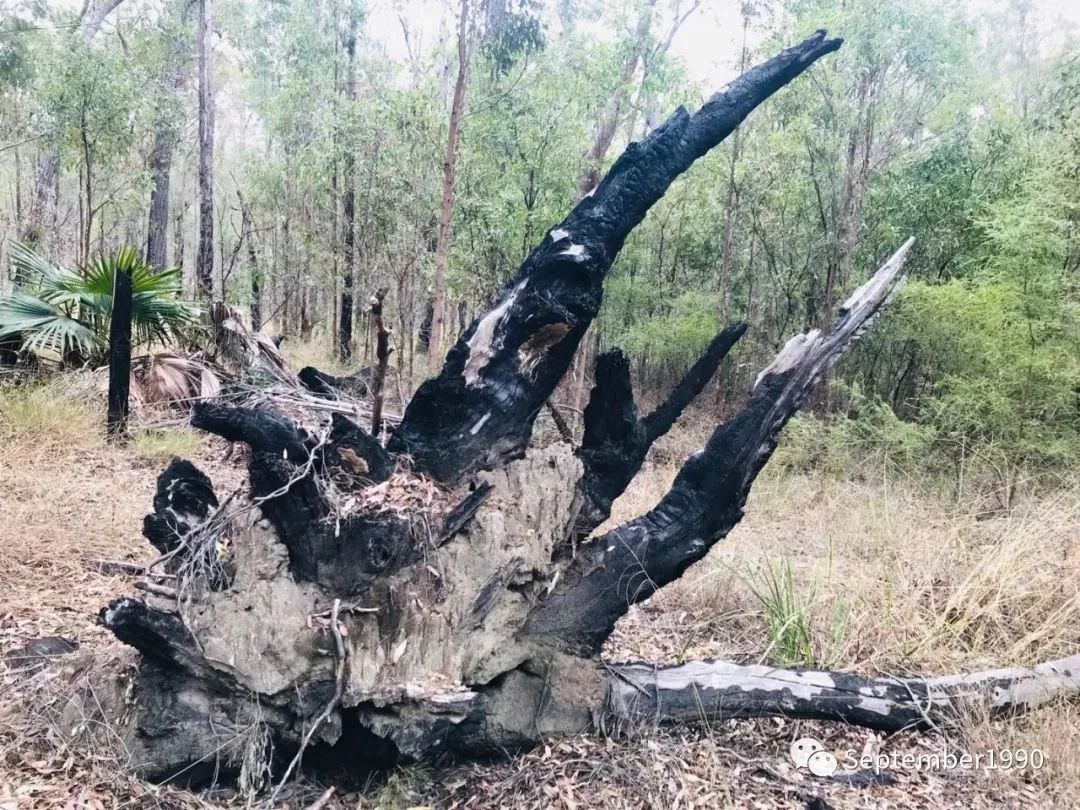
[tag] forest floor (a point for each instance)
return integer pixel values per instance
(873, 573)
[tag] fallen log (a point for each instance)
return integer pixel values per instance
(706, 691)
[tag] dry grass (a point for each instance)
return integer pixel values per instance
(318, 352)
(885, 575)
(892, 578)
(888, 578)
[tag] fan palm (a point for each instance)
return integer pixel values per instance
(65, 313)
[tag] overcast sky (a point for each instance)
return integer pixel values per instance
(708, 44)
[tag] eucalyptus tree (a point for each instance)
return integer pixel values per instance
(507, 31)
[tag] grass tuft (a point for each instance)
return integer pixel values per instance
(161, 445)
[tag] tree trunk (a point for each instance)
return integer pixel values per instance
(348, 204)
(373, 605)
(34, 228)
(119, 351)
(446, 210)
(727, 252)
(159, 164)
(382, 359)
(256, 279)
(204, 260)
(609, 121)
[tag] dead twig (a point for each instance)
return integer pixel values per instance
(322, 801)
(155, 589)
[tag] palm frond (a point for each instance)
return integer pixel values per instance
(45, 327)
(31, 267)
(64, 298)
(167, 378)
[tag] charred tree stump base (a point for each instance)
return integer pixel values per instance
(431, 663)
(242, 671)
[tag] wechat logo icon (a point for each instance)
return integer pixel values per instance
(810, 754)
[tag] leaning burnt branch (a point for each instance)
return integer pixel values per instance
(479, 412)
(634, 560)
(616, 440)
(706, 691)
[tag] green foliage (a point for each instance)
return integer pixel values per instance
(677, 332)
(961, 130)
(65, 314)
(162, 445)
(870, 438)
(788, 614)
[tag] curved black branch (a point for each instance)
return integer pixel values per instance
(264, 430)
(633, 561)
(347, 554)
(480, 410)
(616, 441)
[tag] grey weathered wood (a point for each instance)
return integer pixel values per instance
(707, 691)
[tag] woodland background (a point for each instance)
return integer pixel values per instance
(425, 148)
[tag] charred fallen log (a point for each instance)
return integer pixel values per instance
(356, 386)
(704, 691)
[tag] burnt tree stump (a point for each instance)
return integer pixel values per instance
(442, 596)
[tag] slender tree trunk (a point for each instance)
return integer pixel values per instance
(204, 262)
(34, 228)
(119, 352)
(446, 212)
(348, 204)
(382, 358)
(247, 228)
(256, 279)
(160, 164)
(178, 238)
(18, 187)
(609, 123)
(727, 259)
(88, 188)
